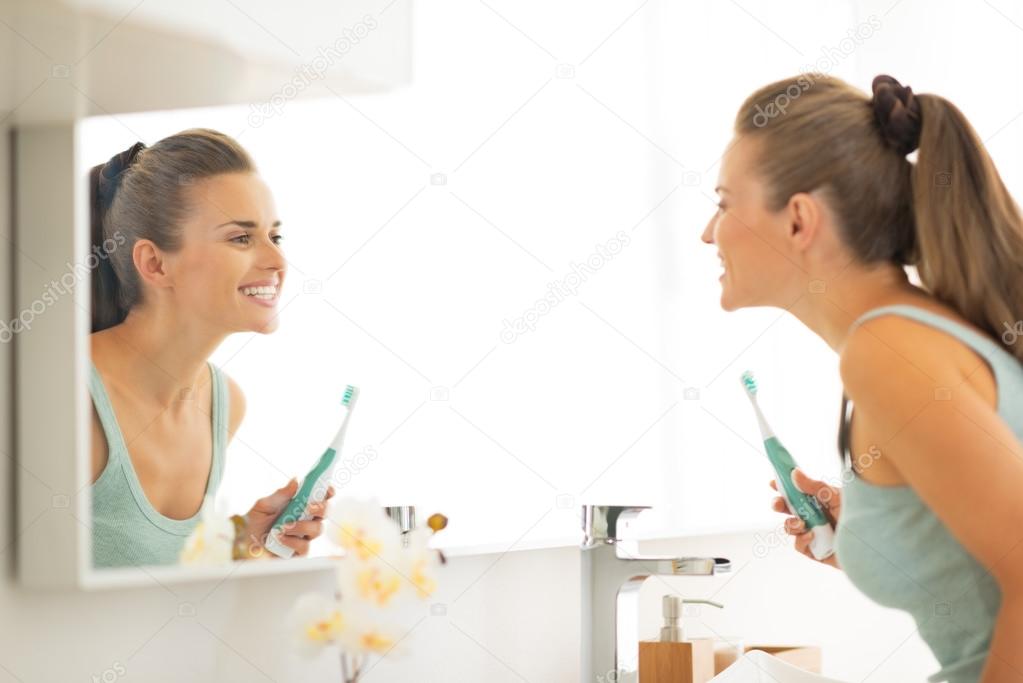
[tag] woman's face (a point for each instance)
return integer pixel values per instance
(231, 244)
(757, 250)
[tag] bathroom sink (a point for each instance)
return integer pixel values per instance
(756, 666)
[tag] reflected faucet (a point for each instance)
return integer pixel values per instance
(405, 517)
(613, 570)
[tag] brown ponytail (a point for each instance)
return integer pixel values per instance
(141, 194)
(969, 231)
(106, 308)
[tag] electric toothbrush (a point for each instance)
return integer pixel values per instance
(800, 504)
(314, 486)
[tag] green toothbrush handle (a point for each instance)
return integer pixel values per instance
(803, 505)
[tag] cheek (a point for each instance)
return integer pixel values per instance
(732, 238)
(208, 271)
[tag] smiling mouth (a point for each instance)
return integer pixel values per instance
(265, 295)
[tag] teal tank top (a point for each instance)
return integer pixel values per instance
(896, 551)
(126, 529)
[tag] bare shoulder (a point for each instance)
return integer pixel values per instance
(897, 363)
(237, 404)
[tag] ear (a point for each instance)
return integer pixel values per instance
(805, 215)
(150, 263)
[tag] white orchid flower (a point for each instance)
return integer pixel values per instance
(363, 529)
(211, 541)
(382, 584)
(315, 622)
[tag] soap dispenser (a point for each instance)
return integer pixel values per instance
(672, 658)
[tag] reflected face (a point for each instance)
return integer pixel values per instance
(230, 268)
(758, 260)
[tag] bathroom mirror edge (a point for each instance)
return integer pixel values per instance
(49, 376)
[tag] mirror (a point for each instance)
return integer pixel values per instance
(478, 398)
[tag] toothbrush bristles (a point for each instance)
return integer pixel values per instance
(749, 383)
(351, 393)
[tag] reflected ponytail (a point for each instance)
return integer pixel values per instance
(107, 308)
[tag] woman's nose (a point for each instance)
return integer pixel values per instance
(708, 233)
(271, 256)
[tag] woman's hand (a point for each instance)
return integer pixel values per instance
(830, 499)
(296, 535)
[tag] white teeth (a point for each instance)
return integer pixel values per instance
(266, 292)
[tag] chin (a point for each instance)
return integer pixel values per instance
(731, 300)
(728, 306)
(267, 327)
(726, 300)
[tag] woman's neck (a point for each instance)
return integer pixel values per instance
(858, 289)
(164, 357)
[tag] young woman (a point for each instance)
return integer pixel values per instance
(820, 212)
(190, 252)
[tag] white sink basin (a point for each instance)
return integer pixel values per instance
(756, 666)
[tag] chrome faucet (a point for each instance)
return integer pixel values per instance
(613, 570)
(405, 517)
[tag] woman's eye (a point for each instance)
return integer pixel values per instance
(244, 239)
(721, 207)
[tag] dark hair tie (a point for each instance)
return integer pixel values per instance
(112, 172)
(897, 112)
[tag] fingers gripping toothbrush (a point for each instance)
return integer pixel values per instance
(800, 504)
(314, 486)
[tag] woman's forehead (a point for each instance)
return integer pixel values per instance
(235, 196)
(736, 171)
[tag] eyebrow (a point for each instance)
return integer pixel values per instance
(248, 225)
(720, 188)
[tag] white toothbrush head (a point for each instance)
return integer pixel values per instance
(749, 384)
(350, 396)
